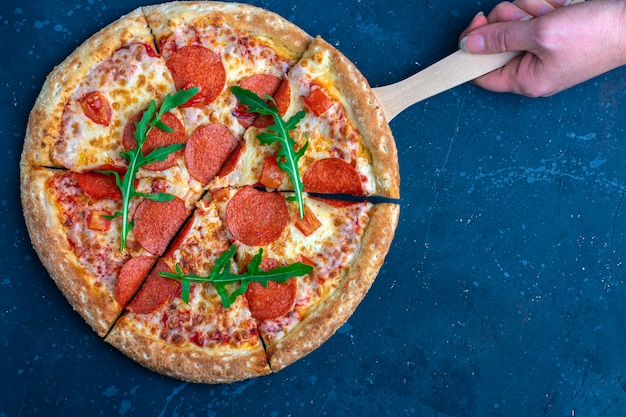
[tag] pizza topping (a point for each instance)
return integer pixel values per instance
(256, 218)
(332, 176)
(278, 132)
(271, 175)
(136, 159)
(262, 85)
(232, 160)
(318, 102)
(282, 98)
(156, 222)
(131, 276)
(221, 276)
(271, 301)
(97, 185)
(156, 138)
(96, 106)
(207, 150)
(196, 66)
(309, 223)
(99, 220)
(155, 292)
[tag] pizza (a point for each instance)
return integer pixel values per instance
(212, 189)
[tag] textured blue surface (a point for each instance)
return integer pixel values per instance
(503, 294)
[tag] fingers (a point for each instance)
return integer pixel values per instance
(506, 12)
(540, 7)
(478, 21)
(499, 37)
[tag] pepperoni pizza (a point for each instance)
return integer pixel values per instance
(172, 226)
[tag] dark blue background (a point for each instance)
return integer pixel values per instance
(503, 293)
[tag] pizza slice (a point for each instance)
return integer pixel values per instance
(344, 242)
(212, 46)
(349, 148)
(68, 215)
(199, 340)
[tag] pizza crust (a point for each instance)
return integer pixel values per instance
(330, 314)
(367, 116)
(44, 123)
(282, 35)
(189, 362)
(95, 304)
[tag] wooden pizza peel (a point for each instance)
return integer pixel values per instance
(452, 71)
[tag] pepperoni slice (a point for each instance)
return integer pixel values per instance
(282, 97)
(157, 138)
(196, 66)
(131, 276)
(97, 185)
(207, 150)
(261, 85)
(274, 301)
(96, 106)
(156, 291)
(156, 222)
(256, 218)
(332, 176)
(232, 160)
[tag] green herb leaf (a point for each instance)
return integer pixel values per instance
(278, 132)
(221, 276)
(150, 119)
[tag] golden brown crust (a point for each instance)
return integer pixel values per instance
(44, 123)
(367, 116)
(94, 303)
(281, 34)
(330, 314)
(189, 362)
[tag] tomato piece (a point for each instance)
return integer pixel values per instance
(318, 102)
(96, 107)
(96, 220)
(309, 223)
(271, 175)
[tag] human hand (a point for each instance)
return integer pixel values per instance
(562, 46)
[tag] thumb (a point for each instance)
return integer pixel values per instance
(498, 37)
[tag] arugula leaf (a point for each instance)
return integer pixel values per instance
(150, 119)
(221, 276)
(278, 132)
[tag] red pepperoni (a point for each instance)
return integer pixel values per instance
(157, 138)
(178, 240)
(231, 162)
(132, 274)
(196, 66)
(156, 291)
(332, 176)
(274, 301)
(255, 217)
(282, 97)
(207, 150)
(261, 85)
(97, 185)
(156, 222)
(96, 106)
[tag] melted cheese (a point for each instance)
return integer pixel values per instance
(129, 80)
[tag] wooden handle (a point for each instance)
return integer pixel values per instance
(454, 70)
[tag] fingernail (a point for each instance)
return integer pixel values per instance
(478, 15)
(526, 18)
(473, 43)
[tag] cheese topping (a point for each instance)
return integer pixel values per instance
(128, 81)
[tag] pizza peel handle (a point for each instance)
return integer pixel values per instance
(454, 70)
